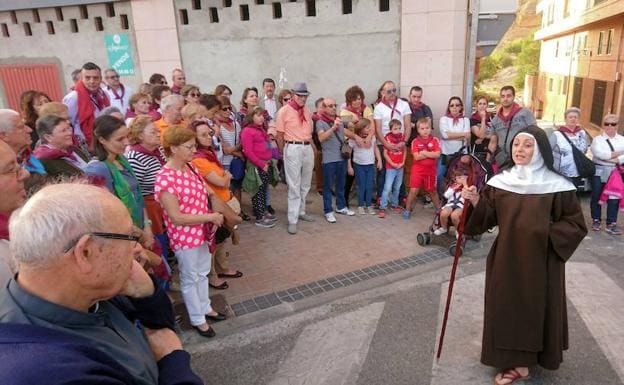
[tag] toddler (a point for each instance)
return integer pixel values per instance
(454, 203)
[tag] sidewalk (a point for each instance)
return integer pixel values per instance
(273, 260)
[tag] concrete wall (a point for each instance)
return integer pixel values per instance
(67, 49)
(330, 51)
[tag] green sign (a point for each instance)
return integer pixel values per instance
(119, 55)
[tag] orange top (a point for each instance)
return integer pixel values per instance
(162, 126)
(205, 167)
(289, 123)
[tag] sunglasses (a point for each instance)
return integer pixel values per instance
(612, 124)
(391, 91)
(194, 95)
(123, 237)
(286, 99)
(226, 109)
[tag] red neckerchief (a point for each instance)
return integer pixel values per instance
(357, 112)
(87, 102)
(175, 89)
(395, 138)
(298, 108)
(117, 96)
(142, 150)
(45, 152)
(392, 108)
(326, 118)
(507, 119)
(571, 131)
(227, 121)
(416, 106)
(476, 116)
(455, 118)
(4, 226)
(207, 153)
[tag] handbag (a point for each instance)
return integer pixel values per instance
(345, 149)
(585, 167)
(237, 166)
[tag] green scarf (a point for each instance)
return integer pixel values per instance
(133, 203)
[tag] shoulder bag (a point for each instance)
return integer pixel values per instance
(584, 166)
(345, 149)
(237, 166)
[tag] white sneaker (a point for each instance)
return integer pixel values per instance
(440, 231)
(345, 211)
(361, 210)
(330, 217)
(372, 211)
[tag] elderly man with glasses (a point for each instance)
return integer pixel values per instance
(294, 139)
(118, 93)
(82, 309)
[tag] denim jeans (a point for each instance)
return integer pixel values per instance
(596, 209)
(334, 176)
(441, 171)
(364, 178)
(394, 178)
(380, 175)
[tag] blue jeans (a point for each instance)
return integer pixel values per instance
(381, 174)
(394, 178)
(596, 210)
(334, 175)
(441, 171)
(364, 175)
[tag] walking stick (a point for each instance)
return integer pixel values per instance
(458, 250)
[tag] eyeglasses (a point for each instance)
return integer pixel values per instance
(114, 77)
(191, 147)
(194, 95)
(226, 108)
(286, 100)
(455, 105)
(390, 91)
(122, 237)
(163, 82)
(612, 124)
(331, 105)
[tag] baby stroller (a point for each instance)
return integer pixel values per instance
(478, 172)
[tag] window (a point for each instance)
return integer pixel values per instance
(566, 8)
(577, 92)
(183, 16)
(196, 4)
(601, 42)
(310, 7)
(5, 30)
(564, 88)
(557, 48)
(609, 42)
(73, 25)
(110, 9)
(259, 2)
(13, 17)
(124, 21)
(277, 10)
(347, 7)
(214, 15)
(244, 12)
(597, 109)
(227, 3)
(99, 25)
(84, 12)
(59, 13)
(27, 30)
(596, 2)
(550, 84)
(384, 5)
(36, 17)
(50, 26)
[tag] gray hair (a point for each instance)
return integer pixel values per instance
(611, 116)
(170, 100)
(6, 124)
(110, 110)
(46, 124)
(53, 218)
(571, 110)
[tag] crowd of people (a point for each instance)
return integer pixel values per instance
(164, 168)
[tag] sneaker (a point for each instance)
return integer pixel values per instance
(440, 231)
(361, 210)
(397, 209)
(345, 211)
(613, 229)
(292, 228)
(371, 210)
(306, 217)
(270, 216)
(596, 225)
(270, 210)
(330, 217)
(266, 223)
(407, 214)
(382, 213)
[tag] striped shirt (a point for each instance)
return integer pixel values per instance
(145, 168)
(230, 139)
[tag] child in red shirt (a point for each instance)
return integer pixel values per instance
(395, 159)
(426, 150)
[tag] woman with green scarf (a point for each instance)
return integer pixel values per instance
(112, 170)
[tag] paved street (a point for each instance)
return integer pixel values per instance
(383, 329)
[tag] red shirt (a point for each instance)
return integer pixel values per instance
(425, 166)
(396, 156)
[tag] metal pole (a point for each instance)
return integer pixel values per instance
(472, 55)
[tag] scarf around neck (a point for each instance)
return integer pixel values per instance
(155, 153)
(507, 119)
(357, 112)
(117, 96)
(300, 110)
(416, 106)
(326, 118)
(533, 178)
(133, 203)
(571, 131)
(87, 103)
(208, 154)
(476, 116)
(391, 107)
(4, 226)
(456, 119)
(47, 152)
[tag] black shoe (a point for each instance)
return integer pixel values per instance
(206, 333)
(216, 318)
(270, 210)
(245, 217)
(222, 286)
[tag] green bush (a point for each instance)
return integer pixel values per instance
(506, 61)
(514, 47)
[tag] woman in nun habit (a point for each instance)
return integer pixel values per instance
(540, 225)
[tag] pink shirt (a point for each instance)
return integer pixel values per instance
(192, 198)
(290, 124)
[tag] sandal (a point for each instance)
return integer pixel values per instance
(238, 274)
(222, 286)
(510, 374)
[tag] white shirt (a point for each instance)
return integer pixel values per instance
(362, 155)
(271, 106)
(71, 101)
(386, 114)
(123, 103)
(451, 146)
(601, 152)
